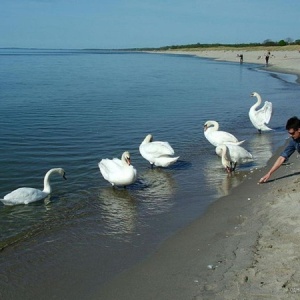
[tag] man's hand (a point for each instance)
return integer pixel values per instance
(264, 178)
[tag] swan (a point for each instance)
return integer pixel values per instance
(25, 195)
(259, 118)
(232, 155)
(157, 153)
(117, 171)
(216, 137)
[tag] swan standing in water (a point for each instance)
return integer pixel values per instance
(117, 171)
(232, 155)
(216, 137)
(157, 153)
(25, 195)
(259, 118)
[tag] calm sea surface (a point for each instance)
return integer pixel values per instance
(70, 109)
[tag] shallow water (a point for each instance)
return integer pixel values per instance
(72, 108)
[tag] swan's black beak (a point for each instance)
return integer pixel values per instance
(64, 176)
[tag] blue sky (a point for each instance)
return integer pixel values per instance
(144, 23)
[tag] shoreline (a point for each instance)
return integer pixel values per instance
(281, 61)
(245, 246)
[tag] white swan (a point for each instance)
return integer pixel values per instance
(259, 118)
(117, 171)
(25, 195)
(157, 153)
(232, 155)
(216, 137)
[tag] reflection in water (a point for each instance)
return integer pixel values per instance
(118, 210)
(217, 178)
(260, 146)
(157, 191)
(230, 182)
(22, 221)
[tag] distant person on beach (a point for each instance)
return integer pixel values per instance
(267, 57)
(241, 56)
(293, 128)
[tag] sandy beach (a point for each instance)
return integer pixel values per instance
(282, 59)
(246, 246)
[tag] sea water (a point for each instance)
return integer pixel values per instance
(70, 109)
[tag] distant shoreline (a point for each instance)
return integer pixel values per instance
(285, 59)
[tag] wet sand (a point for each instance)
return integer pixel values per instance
(246, 246)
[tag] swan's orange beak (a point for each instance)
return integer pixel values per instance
(205, 127)
(128, 161)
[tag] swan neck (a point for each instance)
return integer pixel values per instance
(147, 139)
(216, 126)
(213, 126)
(258, 102)
(47, 186)
(225, 160)
(125, 159)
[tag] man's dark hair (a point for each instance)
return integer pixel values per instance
(293, 123)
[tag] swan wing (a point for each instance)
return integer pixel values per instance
(238, 154)
(116, 172)
(125, 176)
(154, 150)
(109, 167)
(268, 111)
(262, 116)
(165, 161)
(157, 148)
(24, 195)
(220, 137)
(117, 163)
(265, 113)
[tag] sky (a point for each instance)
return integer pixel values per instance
(118, 24)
